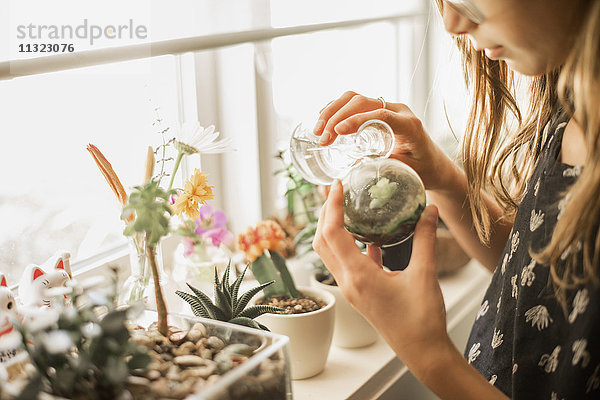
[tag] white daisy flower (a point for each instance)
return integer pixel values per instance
(193, 138)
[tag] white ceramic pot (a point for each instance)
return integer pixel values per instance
(351, 329)
(310, 333)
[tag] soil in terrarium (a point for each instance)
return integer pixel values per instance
(385, 210)
(293, 305)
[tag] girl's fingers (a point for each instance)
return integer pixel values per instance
(331, 109)
(357, 105)
(423, 249)
(374, 254)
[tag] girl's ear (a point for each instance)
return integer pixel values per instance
(37, 272)
(3, 281)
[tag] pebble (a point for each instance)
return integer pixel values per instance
(153, 374)
(178, 337)
(189, 361)
(215, 343)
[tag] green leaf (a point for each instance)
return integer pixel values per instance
(248, 322)
(286, 277)
(264, 270)
(235, 288)
(113, 323)
(245, 298)
(213, 310)
(308, 232)
(197, 307)
(225, 285)
(138, 361)
(255, 311)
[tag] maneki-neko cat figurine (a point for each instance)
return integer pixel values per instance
(36, 280)
(10, 338)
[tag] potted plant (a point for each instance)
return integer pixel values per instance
(95, 351)
(304, 200)
(308, 315)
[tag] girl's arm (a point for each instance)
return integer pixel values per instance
(454, 207)
(445, 182)
(406, 307)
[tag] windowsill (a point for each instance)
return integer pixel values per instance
(372, 371)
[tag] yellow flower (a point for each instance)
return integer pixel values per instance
(196, 192)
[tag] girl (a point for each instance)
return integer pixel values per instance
(526, 204)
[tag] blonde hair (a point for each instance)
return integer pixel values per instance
(490, 154)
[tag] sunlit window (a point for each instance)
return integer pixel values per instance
(52, 194)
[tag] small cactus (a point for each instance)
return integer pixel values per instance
(228, 307)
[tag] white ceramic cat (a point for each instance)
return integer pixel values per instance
(10, 338)
(36, 280)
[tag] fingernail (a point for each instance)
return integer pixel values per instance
(319, 127)
(324, 138)
(342, 128)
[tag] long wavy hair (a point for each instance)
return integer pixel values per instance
(501, 146)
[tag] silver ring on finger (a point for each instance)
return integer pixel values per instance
(383, 103)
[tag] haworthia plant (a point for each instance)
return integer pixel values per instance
(227, 306)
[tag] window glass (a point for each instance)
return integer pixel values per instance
(52, 194)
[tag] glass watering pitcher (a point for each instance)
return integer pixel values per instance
(383, 197)
(322, 165)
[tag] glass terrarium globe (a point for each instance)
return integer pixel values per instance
(383, 200)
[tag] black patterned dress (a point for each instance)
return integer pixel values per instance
(522, 341)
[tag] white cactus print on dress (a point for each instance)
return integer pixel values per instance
(550, 361)
(515, 368)
(483, 310)
(504, 264)
(474, 352)
(515, 288)
(594, 381)
(527, 274)
(536, 220)
(580, 303)
(580, 353)
(562, 204)
(497, 339)
(539, 317)
(536, 188)
(554, 396)
(514, 244)
(493, 379)
(573, 171)
(499, 301)
(570, 250)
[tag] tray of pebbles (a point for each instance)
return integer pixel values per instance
(206, 359)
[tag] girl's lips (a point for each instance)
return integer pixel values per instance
(494, 52)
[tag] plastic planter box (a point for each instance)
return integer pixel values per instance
(265, 375)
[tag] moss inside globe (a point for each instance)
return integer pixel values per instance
(383, 200)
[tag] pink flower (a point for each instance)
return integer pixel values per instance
(212, 225)
(188, 246)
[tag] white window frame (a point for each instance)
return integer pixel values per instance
(201, 70)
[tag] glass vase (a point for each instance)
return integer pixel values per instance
(139, 285)
(198, 269)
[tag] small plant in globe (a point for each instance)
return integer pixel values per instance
(383, 200)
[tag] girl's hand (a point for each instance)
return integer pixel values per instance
(413, 146)
(406, 307)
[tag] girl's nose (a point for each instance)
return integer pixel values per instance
(455, 23)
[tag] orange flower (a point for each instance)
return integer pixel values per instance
(267, 235)
(196, 192)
